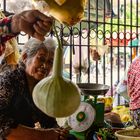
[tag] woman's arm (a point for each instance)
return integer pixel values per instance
(6, 94)
(6, 90)
(32, 22)
(27, 133)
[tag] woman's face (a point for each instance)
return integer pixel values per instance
(40, 65)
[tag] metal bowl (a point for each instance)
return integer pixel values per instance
(93, 89)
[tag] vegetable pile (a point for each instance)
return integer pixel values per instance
(106, 134)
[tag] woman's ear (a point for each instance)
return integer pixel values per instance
(24, 57)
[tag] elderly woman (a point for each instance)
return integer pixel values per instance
(16, 104)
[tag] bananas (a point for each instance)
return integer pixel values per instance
(107, 100)
(124, 113)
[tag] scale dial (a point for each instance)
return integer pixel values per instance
(83, 118)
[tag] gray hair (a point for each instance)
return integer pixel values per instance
(33, 45)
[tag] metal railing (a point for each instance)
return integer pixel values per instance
(112, 23)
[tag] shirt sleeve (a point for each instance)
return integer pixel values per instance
(5, 29)
(6, 91)
(6, 94)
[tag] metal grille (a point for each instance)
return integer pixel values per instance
(109, 25)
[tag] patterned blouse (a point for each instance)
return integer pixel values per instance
(16, 104)
(5, 29)
(134, 84)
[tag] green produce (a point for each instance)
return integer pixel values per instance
(55, 95)
(106, 134)
(68, 12)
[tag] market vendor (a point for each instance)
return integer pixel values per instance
(32, 22)
(16, 105)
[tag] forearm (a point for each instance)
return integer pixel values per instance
(27, 133)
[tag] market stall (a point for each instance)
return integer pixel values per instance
(96, 119)
(89, 113)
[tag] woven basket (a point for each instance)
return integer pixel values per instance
(133, 134)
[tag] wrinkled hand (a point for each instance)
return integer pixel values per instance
(62, 133)
(94, 55)
(32, 22)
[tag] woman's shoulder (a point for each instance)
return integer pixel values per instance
(13, 74)
(7, 67)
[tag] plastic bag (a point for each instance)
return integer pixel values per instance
(80, 62)
(122, 87)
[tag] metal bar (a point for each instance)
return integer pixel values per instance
(96, 22)
(104, 61)
(124, 13)
(111, 50)
(97, 39)
(88, 40)
(4, 5)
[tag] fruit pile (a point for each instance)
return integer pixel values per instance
(124, 113)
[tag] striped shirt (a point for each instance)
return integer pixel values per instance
(134, 84)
